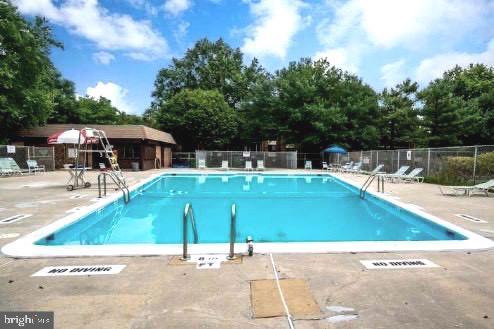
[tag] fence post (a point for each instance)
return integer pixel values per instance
(53, 156)
(377, 158)
(475, 163)
(428, 161)
(398, 165)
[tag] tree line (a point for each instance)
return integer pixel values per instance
(212, 99)
(32, 91)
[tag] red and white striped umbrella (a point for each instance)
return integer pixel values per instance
(72, 137)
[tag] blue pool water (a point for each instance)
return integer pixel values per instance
(270, 208)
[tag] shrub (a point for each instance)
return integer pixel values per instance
(459, 170)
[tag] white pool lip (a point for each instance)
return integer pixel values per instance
(25, 246)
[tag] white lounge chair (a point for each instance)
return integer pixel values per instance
(412, 176)
(308, 165)
(248, 165)
(260, 165)
(468, 190)
(34, 167)
(325, 165)
(376, 170)
(355, 168)
(14, 167)
(224, 165)
(400, 172)
(201, 164)
(5, 168)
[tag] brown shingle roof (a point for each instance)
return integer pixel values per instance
(112, 131)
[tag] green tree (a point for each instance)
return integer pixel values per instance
(441, 113)
(65, 107)
(199, 119)
(27, 75)
(97, 111)
(474, 86)
(399, 121)
(313, 104)
(208, 65)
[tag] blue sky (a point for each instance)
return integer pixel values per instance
(114, 48)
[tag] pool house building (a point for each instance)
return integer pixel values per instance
(136, 146)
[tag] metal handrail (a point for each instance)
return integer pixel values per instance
(122, 186)
(188, 210)
(368, 182)
(233, 220)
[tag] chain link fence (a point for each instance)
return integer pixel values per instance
(43, 155)
(451, 164)
(183, 160)
(237, 159)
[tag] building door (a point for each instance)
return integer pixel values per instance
(158, 155)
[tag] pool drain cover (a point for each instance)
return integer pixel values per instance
(14, 218)
(470, 218)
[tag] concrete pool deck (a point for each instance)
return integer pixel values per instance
(151, 293)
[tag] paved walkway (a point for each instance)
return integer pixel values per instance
(150, 293)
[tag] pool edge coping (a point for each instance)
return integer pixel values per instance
(25, 247)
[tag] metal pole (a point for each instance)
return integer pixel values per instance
(99, 186)
(475, 163)
(53, 156)
(398, 167)
(428, 161)
(231, 255)
(184, 237)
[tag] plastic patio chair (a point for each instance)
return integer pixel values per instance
(201, 164)
(260, 165)
(224, 165)
(469, 190)
(411, 177)
(34, 167)
(248, 165)
(400, 172)
(308, 165)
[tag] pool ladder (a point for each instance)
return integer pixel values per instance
(189, 213)
(118, 181)
(368, 182)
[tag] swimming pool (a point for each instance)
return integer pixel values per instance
(291, 213)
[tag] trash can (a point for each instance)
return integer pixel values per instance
(135, 166)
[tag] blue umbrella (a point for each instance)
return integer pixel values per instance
(335, 149)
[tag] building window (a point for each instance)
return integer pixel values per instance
(131, 151)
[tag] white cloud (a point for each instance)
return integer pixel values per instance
(419, 26)
(390, 23)
(103, 57)
(145, 5)
(392, 73)
(181, 31)
(433, 67)
(115, 93)
(109, 31)
(176, 7)
(276, 22)
(340, 58)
